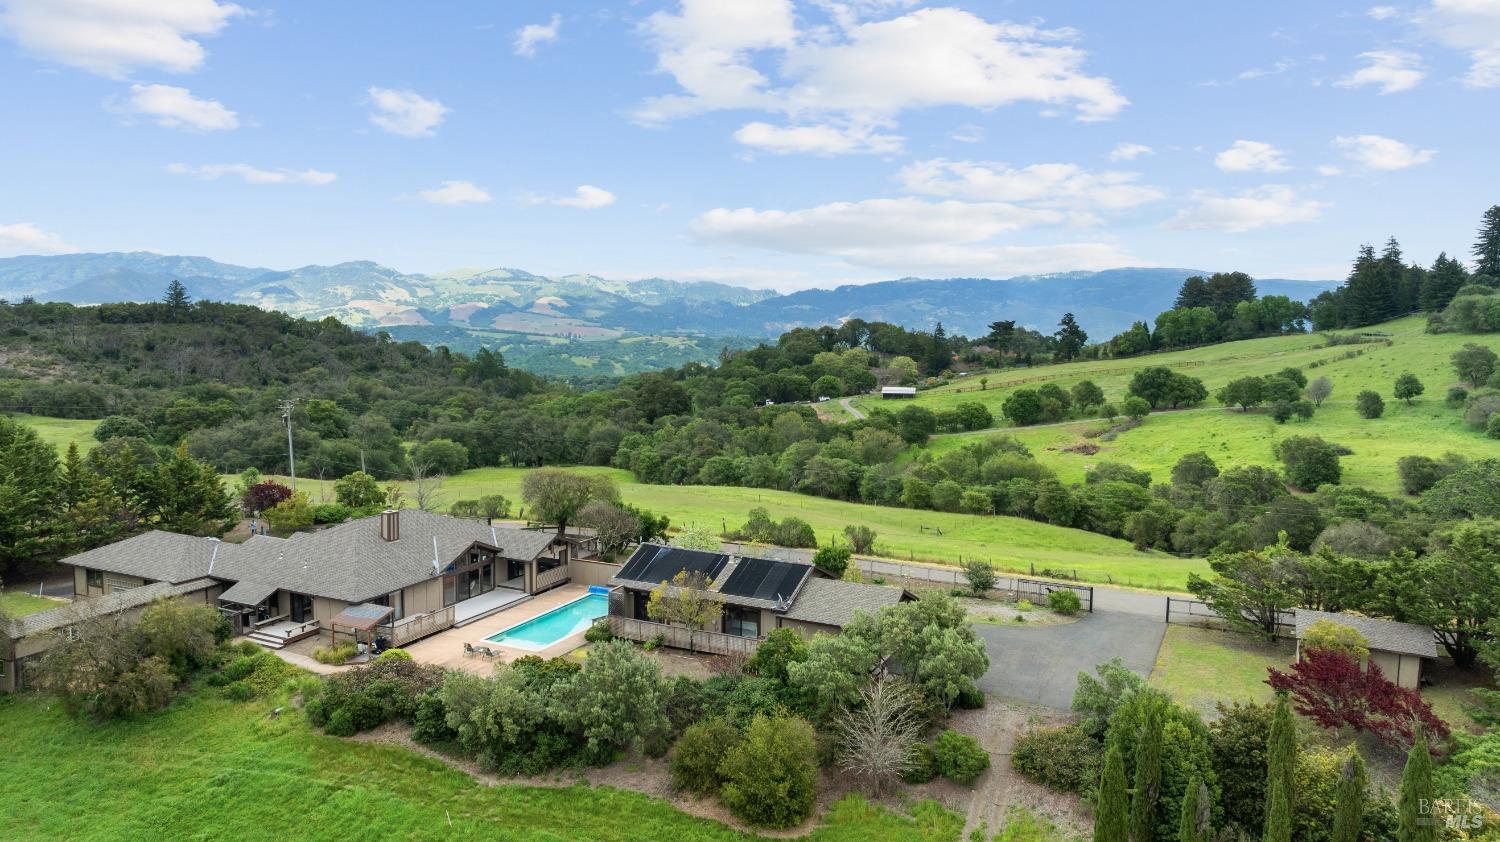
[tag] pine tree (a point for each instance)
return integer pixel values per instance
(1364, 293)
(1147, 778)
(1194, 293)
(1112, 813)
(1417, 821)
(1441, 283)
(177, 297)
(1281, 770)
(1350, 800)
(1070, 337)
(1487, 247)
(1196, 813)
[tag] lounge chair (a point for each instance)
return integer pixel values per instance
(486, 651)
(469, 650)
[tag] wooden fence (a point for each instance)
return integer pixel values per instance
(681, 637)
(418, 626)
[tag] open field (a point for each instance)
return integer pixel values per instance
(59, 432)
(1012, 544)
(18, 604)
(206, 768)
(1233, 437)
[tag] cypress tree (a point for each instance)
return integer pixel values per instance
(1443, 282)
(1418, 824)
(1112, 814)
(1193, 825)
(1364, 292)
(1281, 770)
(1147, 778)
(1350, 800)
(1487, 246)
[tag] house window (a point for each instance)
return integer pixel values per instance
(450, 590)
(741, 621)
(94, 578)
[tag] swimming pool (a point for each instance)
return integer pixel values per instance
(544, 630)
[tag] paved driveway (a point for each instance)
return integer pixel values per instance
(1040, 664)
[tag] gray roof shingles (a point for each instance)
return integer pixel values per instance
(1383, 635)
(833, 602)
(348, 562)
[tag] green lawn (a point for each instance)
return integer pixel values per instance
(18, 604)
(1200, 667)
(1012, 544)
(60, 432)
(1232, 437)
(212, 769)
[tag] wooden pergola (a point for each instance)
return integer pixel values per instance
(365, 617)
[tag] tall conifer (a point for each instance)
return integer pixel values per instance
(1112, 813)
(1281, 770)
(1350, 800)
(1417, 820)
(1147, 778)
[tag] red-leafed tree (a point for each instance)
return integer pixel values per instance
(1332, 689)
(263, 496)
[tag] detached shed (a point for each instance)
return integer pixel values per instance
(894, 392)
(1397, 648)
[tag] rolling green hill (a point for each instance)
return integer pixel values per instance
(1427, 427)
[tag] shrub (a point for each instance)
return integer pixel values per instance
(923, 765)
(981, 576)
(861, 538)
(959, 757)
(780, 648)
(1369, 404)
(335, 655)
(1064, 758)
(331, 513)
(430, 721)
(1064, 601)
(369, 696)
(699, 753)
(599, 633)
(833, 558)
(394, 655)
(770, 778)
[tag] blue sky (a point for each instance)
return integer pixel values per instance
(760, 142)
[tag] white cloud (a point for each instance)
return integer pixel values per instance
(532, 35)
(816, 139)
(862, 72)
(177, 108)
(1393, 70)
(1329, 170)
(909, 235)
(456, 193)
(585, 197)
(406, 113)
(1277, 68)
(25, 238)
(967, 134)
(113, 37)
(1251, 156)
(1382, 12)
(1261, 207)
(1062, 186)
(253, 175)
(1382, 153)
(1470, 26)
(1130, 151)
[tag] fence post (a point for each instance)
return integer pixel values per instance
(1169, 610)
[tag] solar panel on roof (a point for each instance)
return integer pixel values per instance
(657, 563)
(763, 578)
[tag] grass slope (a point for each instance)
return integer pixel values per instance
(210, 769)
(1232, 437)
(1012, 544)
(1200, 667)
(60, 432)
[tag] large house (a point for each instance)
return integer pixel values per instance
(758, 595)
(432, 571)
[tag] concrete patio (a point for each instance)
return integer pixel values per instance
(447, 648)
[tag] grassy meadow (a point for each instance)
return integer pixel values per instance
(60, 432)
(18, 604)
(1233, 437)
(1200, 667)
(1011, 544)
(208, 768)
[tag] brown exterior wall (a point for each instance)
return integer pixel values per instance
(584, 572)
(112, 583)
(805, 628)
(1404, 670)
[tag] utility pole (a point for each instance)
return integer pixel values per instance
(291, 460)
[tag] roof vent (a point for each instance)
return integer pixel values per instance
(390, 525)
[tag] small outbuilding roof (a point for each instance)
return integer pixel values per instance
(898, 390)
(1383, 635)
(83, 609)
(364, 616)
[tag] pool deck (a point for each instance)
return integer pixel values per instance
(447, 648)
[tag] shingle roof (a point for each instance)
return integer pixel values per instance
(245, 592)
(348, 562)
(1383, 635)
(67, 615)
(652, 564)
(833, 602)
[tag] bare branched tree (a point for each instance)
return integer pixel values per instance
(876, 740)
(426, 485)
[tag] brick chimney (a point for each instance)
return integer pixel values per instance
(390, 525)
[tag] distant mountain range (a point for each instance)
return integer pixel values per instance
(500, 306)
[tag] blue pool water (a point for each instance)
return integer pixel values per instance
(546, 629)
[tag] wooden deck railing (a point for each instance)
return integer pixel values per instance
(407, 629)
(681, 637)
(548, 578)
